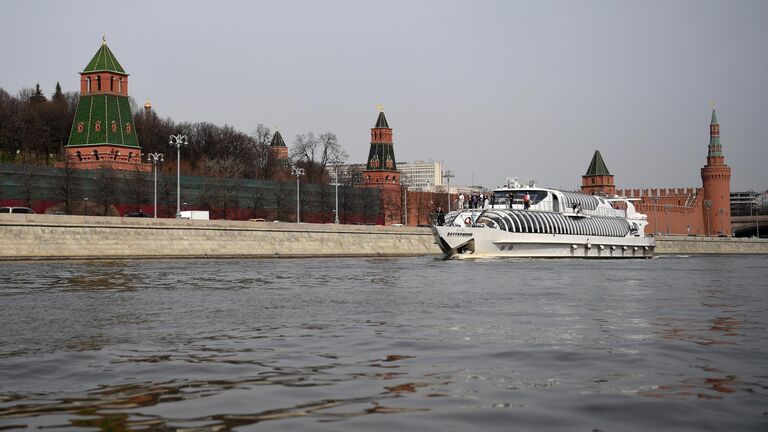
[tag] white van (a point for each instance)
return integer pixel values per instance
(26, 210)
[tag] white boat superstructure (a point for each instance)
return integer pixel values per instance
(548, 223)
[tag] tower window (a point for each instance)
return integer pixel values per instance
(97, 127)
(114, 126)
(80, 127)
(593, 181)
(128, 128)
(98, 83)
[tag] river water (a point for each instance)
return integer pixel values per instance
(672, 343)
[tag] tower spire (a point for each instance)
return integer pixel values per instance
(715, 148)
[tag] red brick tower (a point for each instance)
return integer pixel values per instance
(277, 148)
(381, 169)
(716, 179)
(598, 180)
(381, 172)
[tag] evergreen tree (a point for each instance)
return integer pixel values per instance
(37, 95)
(58, 96)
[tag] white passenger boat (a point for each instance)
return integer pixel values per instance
(555, 224)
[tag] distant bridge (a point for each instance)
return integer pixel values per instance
(747, 226)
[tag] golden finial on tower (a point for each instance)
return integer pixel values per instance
(104, 39)
(380, 107)
(147, 105)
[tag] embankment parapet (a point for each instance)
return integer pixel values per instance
(76, 237)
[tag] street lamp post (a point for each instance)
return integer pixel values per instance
(708, 205)
(405, 216)
(336, 184)
(721, 221)
(447, 175)
(86, 205)
(298, 172)
(666, 210)
(655, 200)
(178, 141)
(155, 158)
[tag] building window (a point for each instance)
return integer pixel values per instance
(80, 127)
(98, 126)
(128, 128)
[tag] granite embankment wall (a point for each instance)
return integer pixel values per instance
(710, 245)
(87, 237)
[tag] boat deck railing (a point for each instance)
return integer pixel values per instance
(549, 206)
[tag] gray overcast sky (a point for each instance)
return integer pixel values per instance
(494, 89)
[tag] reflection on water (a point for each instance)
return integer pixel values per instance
(380, 344)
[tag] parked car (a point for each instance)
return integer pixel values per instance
(139, 213)
(26, 210)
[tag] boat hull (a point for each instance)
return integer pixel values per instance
(479, 242)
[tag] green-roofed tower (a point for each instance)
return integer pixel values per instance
(103, 133)
(598, 180)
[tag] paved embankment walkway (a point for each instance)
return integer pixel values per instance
(87, 237)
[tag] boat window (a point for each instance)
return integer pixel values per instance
(518, 195)
(450, 217)
(536, 196)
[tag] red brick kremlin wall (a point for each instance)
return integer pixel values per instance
(677, 210)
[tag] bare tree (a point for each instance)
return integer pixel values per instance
(136, 188)
(69, 188)
(166, 190)
(224, 182)
(316, 154)
(262, 163)
(105, 185)
(367, 199)
(257, 202)
(280, 199)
